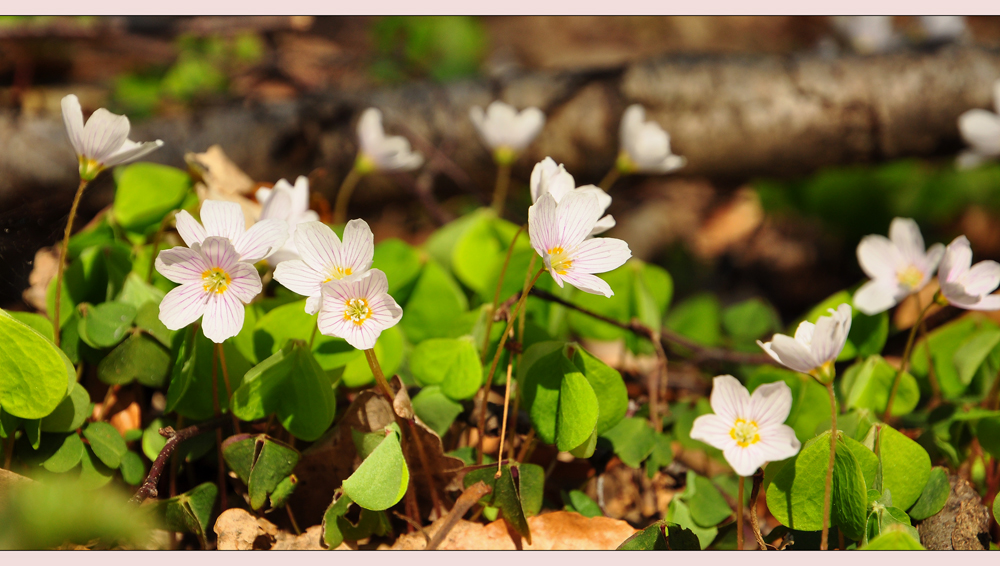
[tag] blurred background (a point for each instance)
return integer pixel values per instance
(802, 134)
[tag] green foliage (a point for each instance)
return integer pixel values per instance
(451, 363)
(139, 358)
(934, 495)
(698, 318)
(707, 506)
(633, 440)
(868, 384)
(262, 463)
(505, 495)
(106, 442)
(441, 47)
(190, 391)
(188, 512)
(337, 528)
(146, 192)
(382, 478)
(436, 409)
(33, 372)
(653, 538)
(905, 465)
(578, 501)
(958, 350)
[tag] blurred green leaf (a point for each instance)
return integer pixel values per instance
(146, 192)
(33, 373)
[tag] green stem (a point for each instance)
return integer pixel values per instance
(905, 362)
(500, 192)
(156, 244)
(493, 366)
(62, 259)
(609, 180)
(344, 195)
(739, 516)
(496, 294)
(312, 338)
(824, 538)
(218, 431)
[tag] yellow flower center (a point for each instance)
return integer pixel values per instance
(89, 168)
(911, 277)
(215, 280)
(337, 273)
(357, 311)
(559, 261)
(744, 433)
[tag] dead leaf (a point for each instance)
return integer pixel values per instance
(129, 418)
(308, 540)
(559, 530)
(221, 179)
(44, 268)
(730, 224)
(10, 479)
(237, 529)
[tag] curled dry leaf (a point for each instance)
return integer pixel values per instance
(221, 179)
(237, 529)
(44, 268)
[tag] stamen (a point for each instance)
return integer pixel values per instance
(215, 280)
(744, 433)
(357, 311)
(911, 277)
(558, 260)
(337, 273)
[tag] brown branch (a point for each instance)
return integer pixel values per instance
(174, 438)
(468, 498)
(758, 479)
(700, 353)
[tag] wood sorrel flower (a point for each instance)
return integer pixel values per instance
(749, 429)
(214, 284)
(549, 178)
(981, 130)
(815, 347)
(225, 219)
(290, 204)
(380, 152)
(559, 233)
(325, 258)
(968, 287)
(898, 266)
(103, 142)
(645, 146)
(505, 131)
(358, 309)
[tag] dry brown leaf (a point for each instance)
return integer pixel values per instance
(309, 540)
(44, 269)
(730, 224)
(129, 418)
(221, 179)
(559, 530)
(237, 529)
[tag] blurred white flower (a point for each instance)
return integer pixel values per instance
(549, 178)
(290, 204)
(380, 152)
(815, 347)
(560, 234)
(749, 429)
(943, 28)
(897, 265)
(358, 309)
(504, 130)
(965, 285)
(867, 34)
(645, 146)
(103, 142)
(981, 130)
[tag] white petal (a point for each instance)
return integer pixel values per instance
(300, 195)
(313, 304)
(539, 177)
(744, 461)
(577, 214)
(218, 252)
(790, 353)
(261, 240)
(905, 234)
(831, 334)
(631, 122)
(182, 306)
(358, 247)
(318, 245)
(712, 430)
(729, 399)
(933, 259)
(876, 296)
(956, 261)
(224, 316)
(73, 118)
(278, 202)
(987, 303)
(245, 283)
(543, 225)
(371, 286)
(370, 132)
(181, 265)
(104, 134)
(527, 125)
(983, 278)
(130, 151)
(584, 282)
(606, 223)
(804, 332)
(189, 229)
(777, 443)
(981, 129)
(599, 255)
(879, 257)
(386, 312)
(299, 278)
(603, 198)
(223, 218)
(770, 404)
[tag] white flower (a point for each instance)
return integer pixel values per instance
(981, 130)
(290, 204)
(897, 265)
(380, 152)
(968, 287)
(867, 34)
(815, 346)
(943, 28)
(213, 283)
(103, 142)
(549, 178)
(358, 309)
(225, 219)
(559, 233)
(749, 429)
(645, 146)
(325, 259)
(504, 130)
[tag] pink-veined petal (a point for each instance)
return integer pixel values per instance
(104, 134)
(777, 443)
(879, 257)
(224, 316)
(543, 225)
(181, 265)
(729, 399)
(790, 353)
(313, 303)
(218, 252)
(743, 461)
(189, 229)
(577, 214)
(831, 333)
(585, 282)
(130, 151)
(182, 306)
(261, 240)
(770, 404)
(318, 246)
(277, 203)
(245, 283)
(298, 277)
(712, 430)
(223, 218)
(358, 247)
(386, 312)
(875, 296)
(606, 223)
(73, 118)
(599, 255)
(983, 278)
(956, 261)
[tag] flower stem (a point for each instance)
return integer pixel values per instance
(496, 360)
(609, 180)
(829, 469)
(218, 431)
(379, 376)
(312, 338)
(62, 259)
(496, 294)
(156, 244)
(344, 195)
(229, 390)
(758, 479)
(503, 423)
(739, 516)
(906, 360)
(500, 192)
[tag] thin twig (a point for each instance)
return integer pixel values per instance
(468, 498)
(758, 479)
(174, 438)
